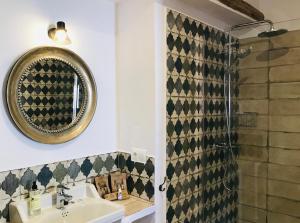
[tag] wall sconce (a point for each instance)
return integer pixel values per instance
(59, 33)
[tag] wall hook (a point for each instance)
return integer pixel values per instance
(161, 188)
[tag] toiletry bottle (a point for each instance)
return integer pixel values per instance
(34, 200)
(120, 195)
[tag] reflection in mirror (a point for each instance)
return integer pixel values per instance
(51, 94)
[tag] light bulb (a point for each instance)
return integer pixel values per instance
(60, 35)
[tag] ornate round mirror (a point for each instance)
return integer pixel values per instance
(51, 95)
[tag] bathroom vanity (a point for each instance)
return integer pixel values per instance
(85, 206)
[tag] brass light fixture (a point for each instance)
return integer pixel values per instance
(59, 33)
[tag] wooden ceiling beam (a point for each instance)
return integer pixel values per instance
(245, 8)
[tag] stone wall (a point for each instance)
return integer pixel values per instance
(269, 161)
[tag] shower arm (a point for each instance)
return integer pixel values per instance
(243, 25)
(239, 26)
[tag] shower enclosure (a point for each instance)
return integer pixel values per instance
(269, 155)
(233, 123)
(235, 54)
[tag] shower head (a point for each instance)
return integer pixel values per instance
(272, 33)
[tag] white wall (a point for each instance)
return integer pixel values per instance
(141, 84)
(160, 111)
(136, 67)
(91, 28)
(136, 74)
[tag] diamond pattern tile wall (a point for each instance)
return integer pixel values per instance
(196, 63)
(4, 213)
(140, 182)
(184, 115)
(9, 184)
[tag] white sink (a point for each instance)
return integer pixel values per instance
(86, 207)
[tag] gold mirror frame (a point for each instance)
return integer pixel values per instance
(89, 103)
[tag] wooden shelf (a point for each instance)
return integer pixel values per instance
(210, 11)
(239, 15)
(136, 208)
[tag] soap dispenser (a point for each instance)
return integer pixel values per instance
(34, 200)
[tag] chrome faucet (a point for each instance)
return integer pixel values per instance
(62, 198)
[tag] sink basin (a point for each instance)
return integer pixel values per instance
(86, 207)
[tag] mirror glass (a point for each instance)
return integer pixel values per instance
(51, 94)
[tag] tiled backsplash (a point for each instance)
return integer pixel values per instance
(14, 184)
(140, 182)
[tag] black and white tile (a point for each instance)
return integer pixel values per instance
(9, 184)
(9, 191)
(15, 184)
(140, 181)
(4, 213)
(196, 63)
